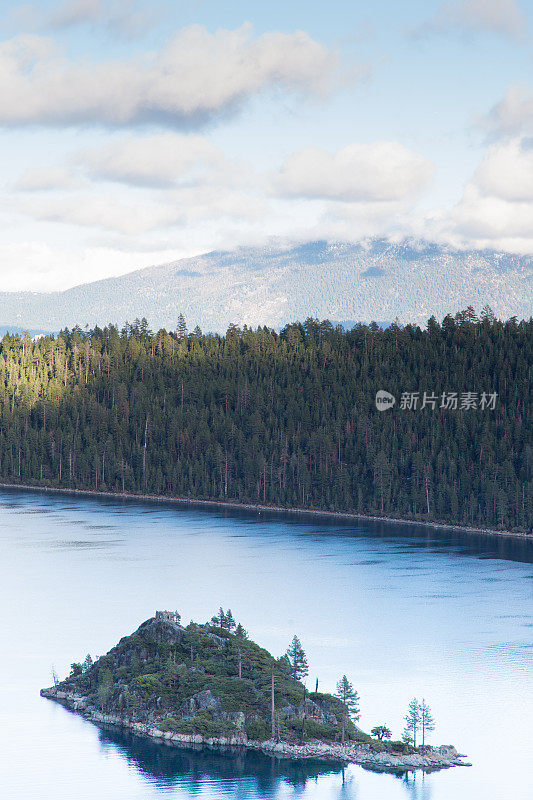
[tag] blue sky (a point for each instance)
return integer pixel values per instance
(135, 133)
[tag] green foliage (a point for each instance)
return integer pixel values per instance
(400, 747)
(225, 621)
(350, 702)
(313, 729)
(286, 419)
(258, 729)
(427, 723)
(201, 723)
(147, 685)
(412, 722)
(105, 688)
(87, 664)
(152, 680)
(348, 697)
(297, 659)
(381, 732)
(241, 632)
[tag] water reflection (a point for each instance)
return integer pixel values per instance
(194, 771)
(399, 536)
(192, 768)
(417, 785)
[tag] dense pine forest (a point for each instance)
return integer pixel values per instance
(287, 418)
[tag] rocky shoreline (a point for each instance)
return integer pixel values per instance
(431, 759)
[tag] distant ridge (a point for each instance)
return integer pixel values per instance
(273, 285)
(14, 330)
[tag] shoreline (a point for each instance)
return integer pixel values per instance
(437, 758)
(257, 508)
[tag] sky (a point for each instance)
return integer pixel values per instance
(134, 133)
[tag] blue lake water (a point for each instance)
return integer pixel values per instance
(402, 610)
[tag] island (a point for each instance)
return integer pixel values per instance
(209, 685)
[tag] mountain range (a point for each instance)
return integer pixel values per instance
(344, 282)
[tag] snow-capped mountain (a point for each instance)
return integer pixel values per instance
(372, 280)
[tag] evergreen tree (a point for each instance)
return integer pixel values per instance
(105, 687)
(427, 723)
(182, 327)
(381, 732)
(297, 660)
(412, 721)
(229, 622)
(219, 619)
(349, 697)
(87, 664)
(241, 632)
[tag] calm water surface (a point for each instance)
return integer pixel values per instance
(403, 611)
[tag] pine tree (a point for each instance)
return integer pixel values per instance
(381, 732)
(229, 622)
(297, 660)
(87, 664)
(350, 699)
(427, 723)
(219, 619)
(412, 721)
(182, 327)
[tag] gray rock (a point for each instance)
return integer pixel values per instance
(159, 630)
(204, 701)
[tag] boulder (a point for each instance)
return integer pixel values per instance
(160, 630)
(203, 701)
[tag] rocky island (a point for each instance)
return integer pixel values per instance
(210, 685)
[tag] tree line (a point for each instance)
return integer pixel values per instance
(283, 418)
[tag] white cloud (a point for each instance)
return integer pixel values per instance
(123, 18)
(162, 160)
(100, 211)
(75, 12)
(136, 216)
(513, 115)
(377, 172)
(196, 77)
(480, 216)
(39, 266)
(44, 179)
(185, 182)
(504, 17)
(496, 209)
(506, 172)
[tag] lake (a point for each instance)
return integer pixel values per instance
(403, 610)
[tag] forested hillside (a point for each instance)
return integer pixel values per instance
(287, 419)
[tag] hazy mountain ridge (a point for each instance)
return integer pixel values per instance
(274, 285)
